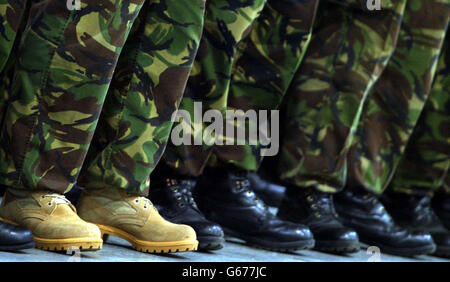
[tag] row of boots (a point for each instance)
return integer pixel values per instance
(57, 225)
(187, 214)
(234, 202)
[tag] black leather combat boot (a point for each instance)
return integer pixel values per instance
(316, 210)
(441, 206)
(225, 196)
(14, 238)
(74, 194)
(271, 193)
(363, 212)
(173, 198)
(414, 212)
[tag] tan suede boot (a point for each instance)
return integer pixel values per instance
(136, 220)
(52, 219)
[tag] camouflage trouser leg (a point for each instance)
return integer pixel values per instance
(266, 62)
(146, 90)
(347, 54)
(398, 98)
(226, 23)
(13, 15)
(426, 161)
(446, 183)
(65, 64)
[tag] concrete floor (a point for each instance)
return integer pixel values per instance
(118, 250)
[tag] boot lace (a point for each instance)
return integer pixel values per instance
(242, 183)
(322, 205)
(183, 194)
(147, 202)
(57, 199)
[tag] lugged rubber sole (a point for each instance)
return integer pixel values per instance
(406, 252)
(210, 243)
(256, 242)
(58, 245)
(148, 246)
(337, 247)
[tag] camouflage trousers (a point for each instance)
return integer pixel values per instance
(13, 14)
(397, 100)
(321, 100)
(324, 103)
(226, 24)
(339, 95)
(425, 165)
(264, 70)
(98, 75)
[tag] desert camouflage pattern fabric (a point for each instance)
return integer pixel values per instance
(65, 65)
(426, 161)
(398, 98)
(227, 22)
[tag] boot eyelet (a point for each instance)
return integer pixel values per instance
(49, 203)
(314, 206)
(181, 205)
(145, 207)
(136, 201)
(179, 198)
(318, 215)
(309, 199)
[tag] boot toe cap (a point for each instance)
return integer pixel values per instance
(16, 235)
(420, 240)
(294, 232)
(207, 229)
(336, 234)
(186, 233)
(68, 231)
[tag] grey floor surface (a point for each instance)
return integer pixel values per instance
(118, 250)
